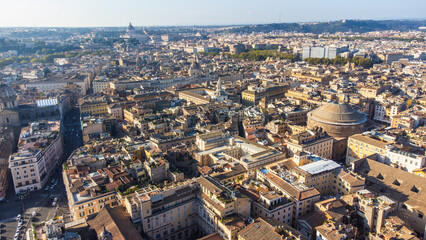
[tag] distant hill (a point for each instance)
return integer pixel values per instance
(360, 26)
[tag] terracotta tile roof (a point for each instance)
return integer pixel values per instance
(369, 140)
(312, 192)
(411, 189)
(259, 230)
(313, 219)
(117, 222)
(213, 236)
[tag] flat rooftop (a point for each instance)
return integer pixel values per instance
(320, 166)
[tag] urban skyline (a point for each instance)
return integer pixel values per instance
(222, 130)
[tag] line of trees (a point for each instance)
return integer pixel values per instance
(39, 47)
(48, 58)
(261, 55)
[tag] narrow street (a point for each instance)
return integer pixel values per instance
(40, 201)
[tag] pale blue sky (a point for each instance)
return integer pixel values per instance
(76, 13)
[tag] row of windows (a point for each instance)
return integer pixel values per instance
(27, 182)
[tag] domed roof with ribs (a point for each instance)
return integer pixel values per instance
(337, 114)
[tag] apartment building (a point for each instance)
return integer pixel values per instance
(382, 112)
(298, 94)
(254, 93)
(93, 106)
(196, 207)
(318, 174)
(85, 197)
(365, 144)
(386, 111)
(315, 142)
(276, 127)
(157, 169)
(40, 148)
(297, 117)
(373, 91)
(115, 110)
(269, 204)
(346, 182)
(100, 84)
(303, 197)
(374, 209)
(405, 160)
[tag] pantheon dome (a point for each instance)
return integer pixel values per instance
(339, 120)
(8, 97)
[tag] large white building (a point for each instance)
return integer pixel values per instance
(405, 160)
(323, 51)
(81, 81)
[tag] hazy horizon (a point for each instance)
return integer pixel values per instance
(215, 25)
(108, 13)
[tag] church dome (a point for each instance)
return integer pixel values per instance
(130, 28)
(337, 113)
(195, 66)
(6, 92)
(8, 97)
(337, 119)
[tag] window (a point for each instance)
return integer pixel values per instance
(421, 215)
(396, 183)
(415, 189)
(380, 176)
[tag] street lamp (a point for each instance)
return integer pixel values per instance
(22, 196)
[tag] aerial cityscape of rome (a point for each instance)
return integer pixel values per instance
(212, 120)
